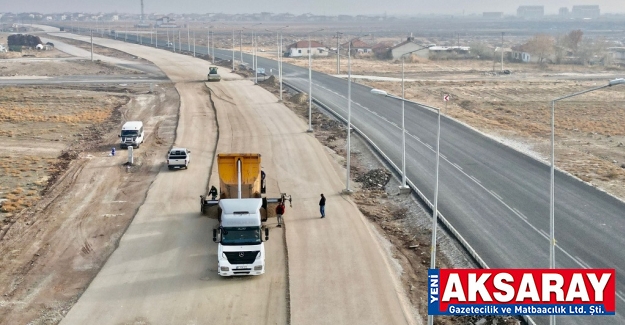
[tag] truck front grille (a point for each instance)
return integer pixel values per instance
(241, 257)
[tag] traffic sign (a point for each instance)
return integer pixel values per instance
(446, 98)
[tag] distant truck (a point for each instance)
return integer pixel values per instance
(213, 75)
(178, 158)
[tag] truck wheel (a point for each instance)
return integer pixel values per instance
(219, 214)
(138, 145)
(170, 167)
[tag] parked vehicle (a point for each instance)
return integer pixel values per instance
(132, 135)
(178, 158)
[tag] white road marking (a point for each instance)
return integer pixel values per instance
(443, 156)
(584, 264)
(496, 195)
(519, 213)
(621, 296)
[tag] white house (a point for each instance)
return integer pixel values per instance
(408, 46)
(617, 54)
(518, 54)
(301, 49)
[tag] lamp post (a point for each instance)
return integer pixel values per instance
(232, 50)
(338, 52)
(208, 41)
(310, 81)
(279, 44)
(435, 210)
(552, 240)
(349, 115)
(254, 51)
(404, 188)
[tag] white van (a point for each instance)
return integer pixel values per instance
(132, 134)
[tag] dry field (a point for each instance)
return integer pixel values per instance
(59, 68)
(36, 125)
(590, 129)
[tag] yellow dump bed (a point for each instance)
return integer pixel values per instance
(250, 175)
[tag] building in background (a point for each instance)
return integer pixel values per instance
(492, 15)
(301, 49)
(531, 11)
(585, 12)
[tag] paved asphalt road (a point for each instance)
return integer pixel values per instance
(496, 197)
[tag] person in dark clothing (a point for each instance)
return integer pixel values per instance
(279, 212)
(213, 192)
(263, 188)
(322, 206)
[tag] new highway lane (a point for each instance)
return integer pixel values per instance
(496, 197)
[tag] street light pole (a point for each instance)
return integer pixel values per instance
(435, 209)
(404, 188)
(552, 240)
(349, 115)
(310, 129)
(232, 50)
(279, 53)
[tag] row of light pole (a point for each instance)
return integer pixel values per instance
(404, 186)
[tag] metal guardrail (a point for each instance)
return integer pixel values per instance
(420, 194)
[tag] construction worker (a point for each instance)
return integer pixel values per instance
(213, 192)
(279, 212)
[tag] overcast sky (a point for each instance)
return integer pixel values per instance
(327, 7)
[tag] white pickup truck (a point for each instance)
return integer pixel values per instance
(178, 158)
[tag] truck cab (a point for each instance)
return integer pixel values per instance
(241, 249)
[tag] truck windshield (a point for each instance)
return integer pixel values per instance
(240, 236)
(130, 133)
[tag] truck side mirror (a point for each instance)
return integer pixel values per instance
(214, 235)
(266, 234)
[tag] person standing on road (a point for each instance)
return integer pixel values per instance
(279, 212)
(322, 206)
(213, 192)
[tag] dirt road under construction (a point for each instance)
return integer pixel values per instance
(319, 271)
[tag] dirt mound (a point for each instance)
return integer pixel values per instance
(375, 179)
(300, 98)
(24, 40)
(271, 81)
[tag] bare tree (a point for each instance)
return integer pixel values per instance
(541, 45)
(592, 51)
(573, 38)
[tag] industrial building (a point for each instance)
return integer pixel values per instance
(530, 11)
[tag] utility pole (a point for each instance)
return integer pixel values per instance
(91, 45)
(193, 43)
(501, 51)
(188, 39)
(241, 44)
(338, 53)
(179, 42)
